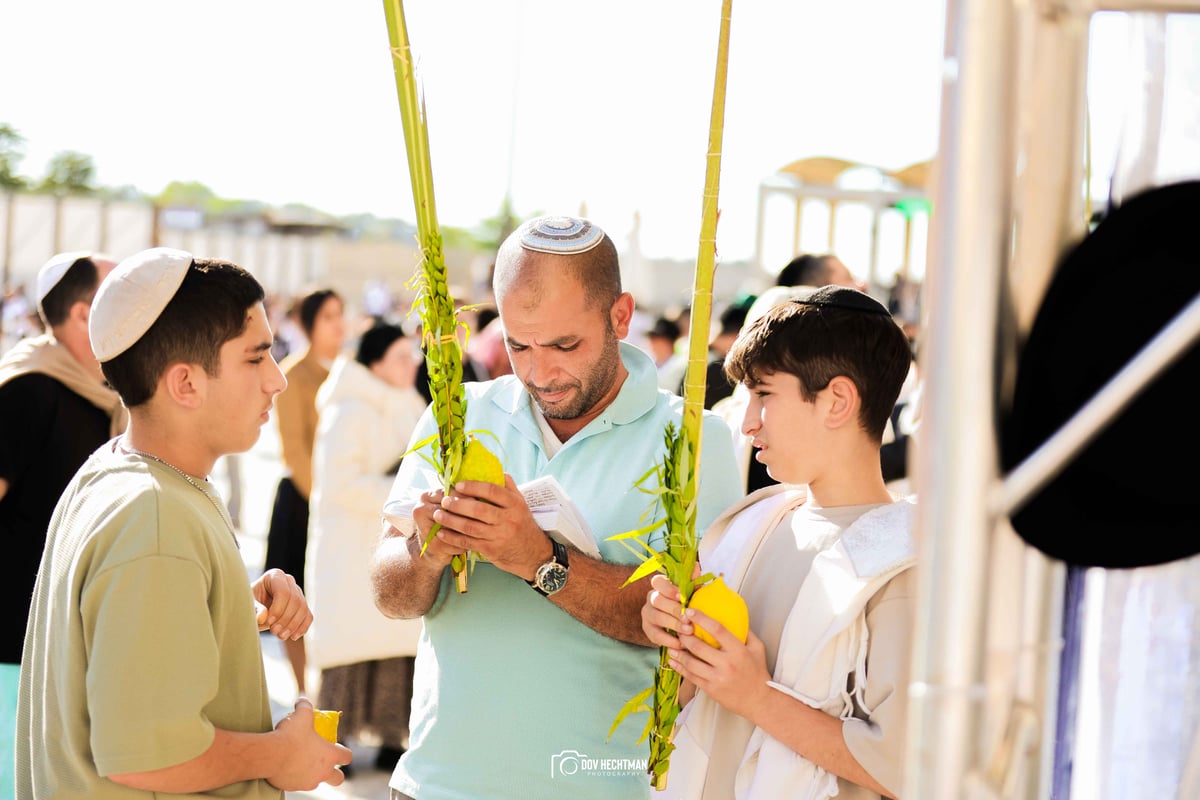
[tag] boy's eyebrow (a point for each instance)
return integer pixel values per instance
(260, 347)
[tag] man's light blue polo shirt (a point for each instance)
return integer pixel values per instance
(513, 697)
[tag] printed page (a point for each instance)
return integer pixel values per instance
(556, 514)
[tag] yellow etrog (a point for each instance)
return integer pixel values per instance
(480, 464)
(326, 723)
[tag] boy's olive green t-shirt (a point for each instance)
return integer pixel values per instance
(142, 636)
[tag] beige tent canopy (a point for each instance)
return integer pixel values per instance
(826, 170)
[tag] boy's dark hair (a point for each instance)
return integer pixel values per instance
(374, 342)
(208, 310)
(310, 306)
(834, 331)
(77, 285)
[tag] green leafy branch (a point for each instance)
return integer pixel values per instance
(678, 473)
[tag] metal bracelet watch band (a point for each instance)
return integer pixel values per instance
(552, 575)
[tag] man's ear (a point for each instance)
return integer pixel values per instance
(844, 402)
(185, 384)
(79, 313)
(621, 315)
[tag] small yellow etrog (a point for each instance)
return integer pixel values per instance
(326, 723)
(479, 464)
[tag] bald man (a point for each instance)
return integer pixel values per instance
(518, 681)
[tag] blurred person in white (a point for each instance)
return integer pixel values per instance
(367, 409)
(19, 317)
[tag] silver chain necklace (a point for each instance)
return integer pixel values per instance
(195, 484)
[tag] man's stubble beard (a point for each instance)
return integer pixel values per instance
(596, 384)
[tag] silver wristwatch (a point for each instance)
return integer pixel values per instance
(551, 576)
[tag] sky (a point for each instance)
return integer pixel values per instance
(566, 106)
(563, 105)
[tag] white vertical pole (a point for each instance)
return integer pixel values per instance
(874, 281)
(955, 459)
(758, 228)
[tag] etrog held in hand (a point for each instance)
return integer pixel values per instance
(326, 724)
(725, 606)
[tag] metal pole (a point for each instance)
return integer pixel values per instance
(955, 454)
(758, 228)
(155, 225)
(105, 222)
(799, 200)
(1048, 204)
(58, 222)
(833, 207)
(906, 267)
(873, 277)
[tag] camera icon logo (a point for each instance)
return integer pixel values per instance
(566, 762)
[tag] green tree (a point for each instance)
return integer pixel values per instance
(126, 192)
(70, 172)
(490, 233)
(192, 194)
(12, 150)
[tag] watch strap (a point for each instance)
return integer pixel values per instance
(560, 552)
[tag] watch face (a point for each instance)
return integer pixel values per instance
(551, 577)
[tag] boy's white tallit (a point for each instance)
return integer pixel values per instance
(824, 640)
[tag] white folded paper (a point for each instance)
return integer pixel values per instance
(557, 515)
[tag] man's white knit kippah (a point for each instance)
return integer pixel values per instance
(131, 298)
(560, 235)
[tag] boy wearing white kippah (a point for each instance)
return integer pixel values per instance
(142, 670)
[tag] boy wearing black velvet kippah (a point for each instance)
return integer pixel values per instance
(814, 703)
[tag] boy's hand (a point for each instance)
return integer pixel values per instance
(662, 619)
(735, 675)
(280, 605)
(308, 760)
